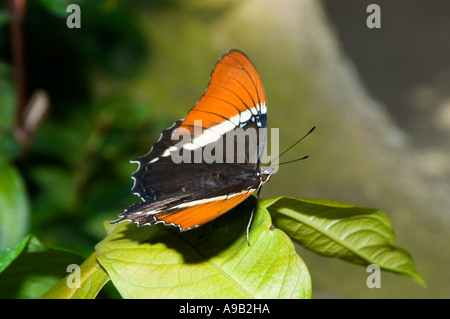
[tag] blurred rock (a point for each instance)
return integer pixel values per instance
(358, 154)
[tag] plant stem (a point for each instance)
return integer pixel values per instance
(17, 14)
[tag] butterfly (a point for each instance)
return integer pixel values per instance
(192, 182)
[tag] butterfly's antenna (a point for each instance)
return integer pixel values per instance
(296, 160)
(309, 132)
(288, 162)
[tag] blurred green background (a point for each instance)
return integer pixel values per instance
(380, 100)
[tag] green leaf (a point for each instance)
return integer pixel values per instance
(14, 210)
(29, 269)
(212, 261)
(92, 279)
(356, 234)
(8, 255)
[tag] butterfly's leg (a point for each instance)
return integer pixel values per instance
(259, 191)
(249, 225)
(254, 203)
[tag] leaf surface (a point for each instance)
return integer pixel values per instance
(29, 269)
(14, 209)
(91, 280)
(357, 234)
(212, 261)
